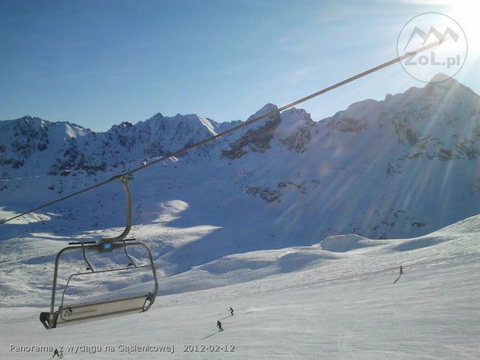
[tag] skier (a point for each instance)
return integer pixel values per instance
(401, 270)
(55, 353)
(219, 325)
(231, 311)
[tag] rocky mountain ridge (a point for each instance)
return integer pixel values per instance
(403, 166)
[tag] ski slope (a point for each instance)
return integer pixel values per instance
(340, 299)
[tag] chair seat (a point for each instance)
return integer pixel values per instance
(92, 311)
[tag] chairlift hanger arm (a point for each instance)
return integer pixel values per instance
(128, 200)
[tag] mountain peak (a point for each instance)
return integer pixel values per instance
(440, 77)
(441, 84)
(268, 108)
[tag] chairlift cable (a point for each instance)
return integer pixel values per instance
(231, 130)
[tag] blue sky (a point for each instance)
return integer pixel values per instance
(100, 62)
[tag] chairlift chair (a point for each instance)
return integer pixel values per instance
(73, 313)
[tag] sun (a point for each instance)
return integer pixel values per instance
(466, 15)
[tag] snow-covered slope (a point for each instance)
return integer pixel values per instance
(340, 299)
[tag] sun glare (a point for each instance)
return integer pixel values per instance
(460, 18)
(465, 13)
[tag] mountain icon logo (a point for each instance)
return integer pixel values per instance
(425, 36)
(448, 52)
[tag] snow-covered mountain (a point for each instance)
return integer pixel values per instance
(38, 146)
(401, 167)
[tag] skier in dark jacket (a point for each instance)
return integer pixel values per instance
(401, 270)
(231, 311)
(219, 325)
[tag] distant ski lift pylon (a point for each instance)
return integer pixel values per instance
(72, 313)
